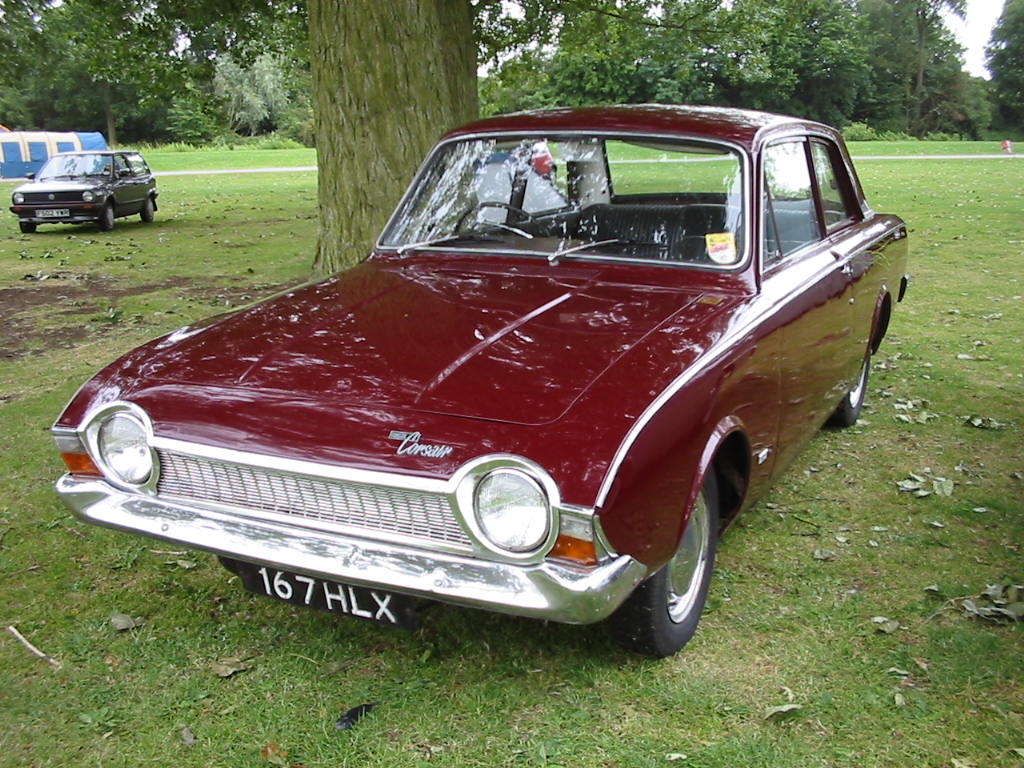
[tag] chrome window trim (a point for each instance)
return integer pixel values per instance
(746, 185)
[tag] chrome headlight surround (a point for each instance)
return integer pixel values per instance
(479, 499)
(18, 198)
(87, 196)
(119, 438)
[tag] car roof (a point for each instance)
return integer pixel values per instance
(110, 152)
(740, 126)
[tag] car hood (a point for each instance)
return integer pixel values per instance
(62, 185)
(514, 346)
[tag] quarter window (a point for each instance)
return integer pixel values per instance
(790, 214)
(834, 201)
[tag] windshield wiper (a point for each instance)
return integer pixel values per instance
(403, 249)
(554, 257)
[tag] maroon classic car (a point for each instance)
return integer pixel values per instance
(586, 340)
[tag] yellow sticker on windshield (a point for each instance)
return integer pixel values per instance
(721, 247)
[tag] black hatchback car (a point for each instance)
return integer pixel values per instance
(76, 187)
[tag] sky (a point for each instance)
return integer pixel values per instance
(974, 32)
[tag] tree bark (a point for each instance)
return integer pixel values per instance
(388, 79)
(108, 115)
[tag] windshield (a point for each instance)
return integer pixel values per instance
(580, 197)
(72, 166)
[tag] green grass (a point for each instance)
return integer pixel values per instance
(472, 689)
(902, 148)
(227, 159)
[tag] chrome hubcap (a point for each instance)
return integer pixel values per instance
(686, 568)
(857, 393)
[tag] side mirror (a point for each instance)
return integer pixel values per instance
(123, 173)
(30, 176)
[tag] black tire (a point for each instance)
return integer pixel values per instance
(148, 209)
(106, 220)
(848, 411)
(27, 227)
(662, 614)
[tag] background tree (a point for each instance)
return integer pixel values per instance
(1006, 63)
(386, 79)
(915, 66)
(382, 94)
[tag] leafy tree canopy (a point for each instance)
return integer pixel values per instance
(1006, 62)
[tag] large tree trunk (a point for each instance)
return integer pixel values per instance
(388, 79)
(108, 115)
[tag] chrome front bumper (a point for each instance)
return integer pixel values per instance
(546, 590)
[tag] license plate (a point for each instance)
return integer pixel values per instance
(359, 602)
(53, 213)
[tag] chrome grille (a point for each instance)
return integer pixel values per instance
(416, 514)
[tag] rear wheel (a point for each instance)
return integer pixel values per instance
(106, 220)
(27, 227)
(661, 615)
(848, 411)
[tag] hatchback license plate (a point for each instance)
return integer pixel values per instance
(53, 213)
(360, 602)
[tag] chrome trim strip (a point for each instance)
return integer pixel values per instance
(548, 590)
(67, 440)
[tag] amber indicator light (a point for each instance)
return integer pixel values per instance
(80, 464)
(577, 550)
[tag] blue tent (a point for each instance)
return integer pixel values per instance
(24, 152)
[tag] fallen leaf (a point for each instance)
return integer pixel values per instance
(229, 666)
(187, 737)
(122, 621)
(899, 700)
(781, 711)
(674, 756)
(824, 554)
(274, 754)
(884, 624)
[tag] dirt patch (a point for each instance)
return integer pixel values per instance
(73, 296)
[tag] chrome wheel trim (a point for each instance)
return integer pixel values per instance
(687, 566)
(857, 393)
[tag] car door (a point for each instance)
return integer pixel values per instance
(847, 242)
(129, 189)
(809, 289)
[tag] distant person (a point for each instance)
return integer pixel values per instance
(1007, 146)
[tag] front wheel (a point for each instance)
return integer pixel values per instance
(106, 220)
(148, 208)
(661, 615)
(27, 227)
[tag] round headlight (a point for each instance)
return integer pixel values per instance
(87, 196)
(18, 198)
(124, 449)
(512, 510)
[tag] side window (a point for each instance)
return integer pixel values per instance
(138, 165)
(790, 213)
(835, 200)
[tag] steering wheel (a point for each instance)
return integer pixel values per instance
(496, 204)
